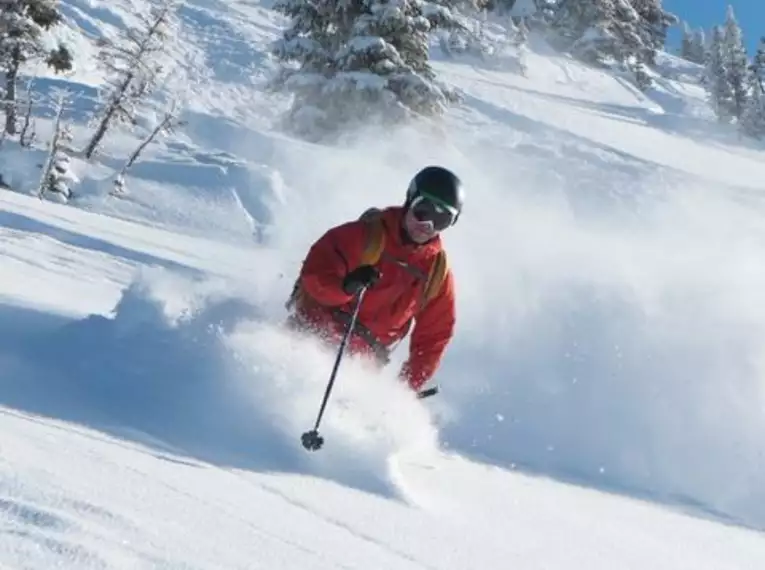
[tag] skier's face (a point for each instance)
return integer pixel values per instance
(418, 231)
(425, 218)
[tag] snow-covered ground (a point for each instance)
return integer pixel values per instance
(602, 405)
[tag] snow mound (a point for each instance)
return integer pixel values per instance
(194, 368)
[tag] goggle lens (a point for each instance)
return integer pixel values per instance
(427, 209)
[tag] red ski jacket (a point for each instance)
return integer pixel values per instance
(389, 306)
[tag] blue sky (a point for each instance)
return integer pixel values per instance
(707, 13)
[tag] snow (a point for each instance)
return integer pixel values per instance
(523, 8)
(365, 43)
(601, 405)
(244, 519)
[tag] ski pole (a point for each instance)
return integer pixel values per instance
(311, 440)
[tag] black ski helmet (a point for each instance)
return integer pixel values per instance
(439, 183)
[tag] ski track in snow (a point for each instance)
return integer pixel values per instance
(601, 405)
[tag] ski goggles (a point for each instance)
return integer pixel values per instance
(427, 208)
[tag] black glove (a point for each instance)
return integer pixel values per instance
(363, 276)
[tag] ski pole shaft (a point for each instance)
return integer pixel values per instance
(339, 357)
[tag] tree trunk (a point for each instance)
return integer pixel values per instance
(10, 91)
(108, 116)
(23, 141)
(147, 141)
(100, 131)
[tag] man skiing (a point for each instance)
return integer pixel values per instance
(397, 254)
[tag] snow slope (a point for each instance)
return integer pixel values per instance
(602, 403)
(164, 435)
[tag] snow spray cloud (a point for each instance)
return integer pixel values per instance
(200, 366)
(197, 366)
(369, 417)
(611, 317)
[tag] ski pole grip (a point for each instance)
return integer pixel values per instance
(428, 392)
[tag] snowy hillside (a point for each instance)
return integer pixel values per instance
(164, 435)
(602, 403)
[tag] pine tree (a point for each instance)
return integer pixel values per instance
(522, 34)
(22, 24)
(686, 43)
(693, 45)
(625, 32)
(344, 61)
(652, 26)
(642, 78)
(757, 67)
(698, 47)
(57, 176)
(134, 67)
(716, 77)
(753, 117)
(736, 63)
(600, 31)
(547, 9)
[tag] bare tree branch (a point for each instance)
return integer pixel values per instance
(133, 65)
(167, 124)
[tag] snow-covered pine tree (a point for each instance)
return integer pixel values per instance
(686, 43)
(653, 25)
(390, 41)
(578, 19)
(518, 36)
(600, 31)
(606, 32)
(693, 45)
(698, 47)
(716, 77)
(471, 39)
(57, 177)
(736, 63)
(346, 61)
(22, 23)
(752, 121)
(522, 35)
(134, 66)
(642, 78)
(546, 10)
(757, 67)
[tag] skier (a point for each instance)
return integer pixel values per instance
(397, 254)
